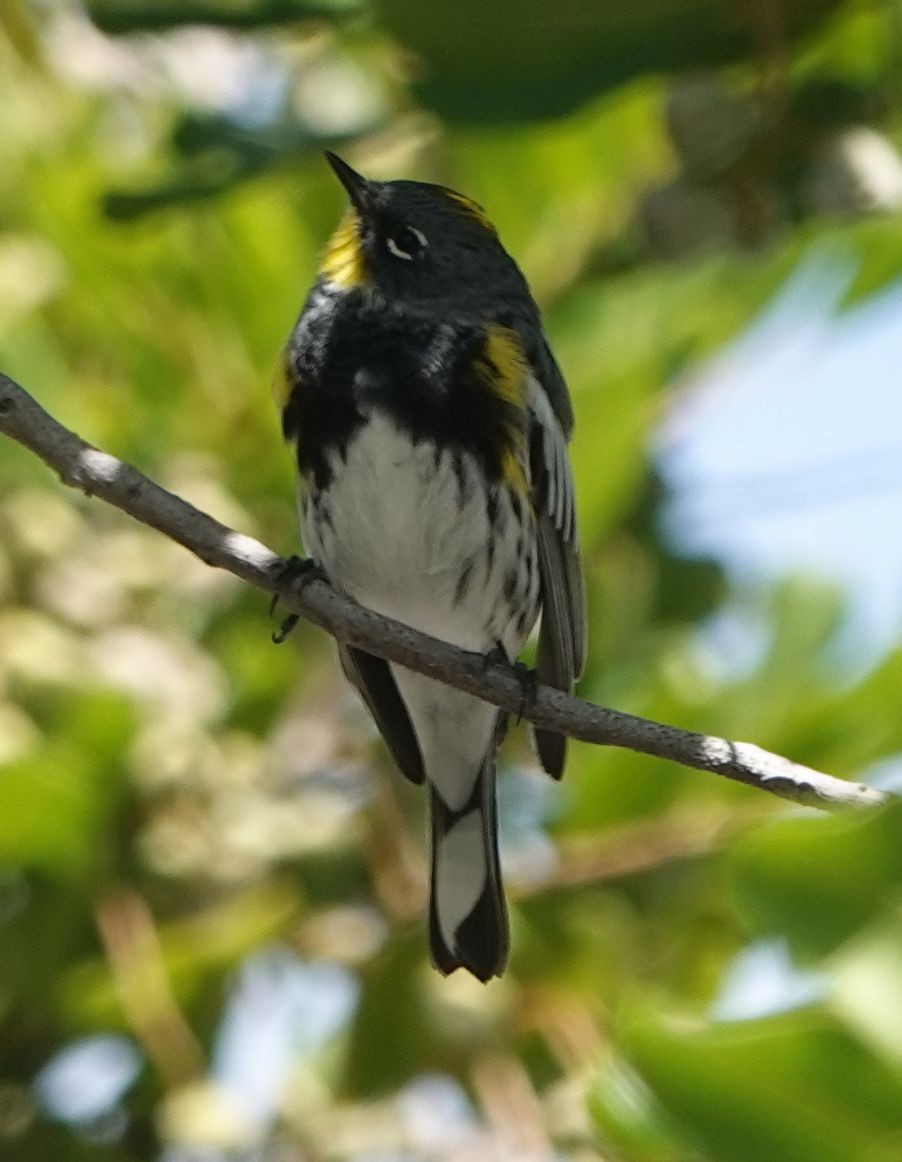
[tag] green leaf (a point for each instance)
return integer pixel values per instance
(794, 1087)
(391, 999)
(817, 880)
(56, 803)
(514, 59)
(125, 16)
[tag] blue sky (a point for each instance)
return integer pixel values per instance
(784, 453)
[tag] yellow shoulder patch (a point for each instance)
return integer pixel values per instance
(472, 209)
(504, 368)
(343, 263)
(503, 364)
(512, 470)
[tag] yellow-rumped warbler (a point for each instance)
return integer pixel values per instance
(429, 421)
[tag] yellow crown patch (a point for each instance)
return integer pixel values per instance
(471, 209)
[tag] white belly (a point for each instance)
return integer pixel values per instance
(398, 526)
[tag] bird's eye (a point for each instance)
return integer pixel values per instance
(407, 243)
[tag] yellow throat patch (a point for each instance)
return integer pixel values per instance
(343, 263)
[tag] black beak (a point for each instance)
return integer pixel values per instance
(356, 185)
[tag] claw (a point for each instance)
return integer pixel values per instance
(295, 573)
(279, 635)
(529, 686)
(526, 675)
(496, 656)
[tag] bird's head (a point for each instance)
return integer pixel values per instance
(417, 243)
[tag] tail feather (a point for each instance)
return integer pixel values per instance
(467, 913)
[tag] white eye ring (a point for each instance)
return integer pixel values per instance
(396, 250)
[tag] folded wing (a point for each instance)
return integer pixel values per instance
(562, 636)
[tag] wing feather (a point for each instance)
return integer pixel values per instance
(376, 685)
(562, 635)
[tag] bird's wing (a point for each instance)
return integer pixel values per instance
(562, 636)
(550, 377)
(376, 685)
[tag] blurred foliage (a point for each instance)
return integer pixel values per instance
(211, 883)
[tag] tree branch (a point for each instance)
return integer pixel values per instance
(99, 474)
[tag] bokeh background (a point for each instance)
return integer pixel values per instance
(211, 881)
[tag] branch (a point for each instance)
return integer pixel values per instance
(99, 474)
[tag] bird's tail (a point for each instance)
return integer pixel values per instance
(467, 913)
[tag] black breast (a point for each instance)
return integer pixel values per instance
(430, 375)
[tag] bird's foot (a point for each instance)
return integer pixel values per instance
(529, 687)
(527, 677)
(496, 656)
(295, 573)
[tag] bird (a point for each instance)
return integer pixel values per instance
(429, 421)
